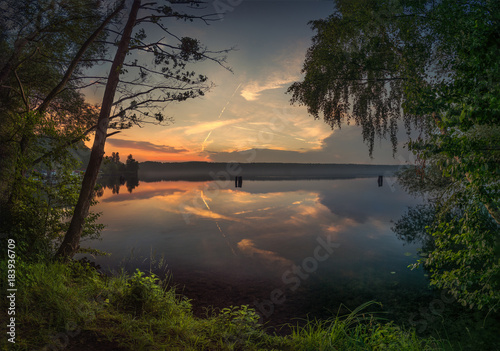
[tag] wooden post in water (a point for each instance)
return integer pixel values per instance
(380, 181)
(240, 181)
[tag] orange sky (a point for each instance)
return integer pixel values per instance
(248, 109)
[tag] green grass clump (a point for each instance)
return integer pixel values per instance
(359, 332)
(58, 303)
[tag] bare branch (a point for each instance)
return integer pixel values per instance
(113, 133)
(21, 89)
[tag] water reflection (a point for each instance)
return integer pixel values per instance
(114, 183)
(194, 222)
(215, 237)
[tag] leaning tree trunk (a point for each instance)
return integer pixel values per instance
(71, 240)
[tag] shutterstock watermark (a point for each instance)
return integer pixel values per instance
(292, 278)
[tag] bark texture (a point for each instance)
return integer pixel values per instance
(71, 241)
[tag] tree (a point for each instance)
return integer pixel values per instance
(365, 59)
(131, 165)
(115, 157)
(43, 50)
(37, 216)
(433, 65)
(139, 96)
(459, 239)
(41, 108)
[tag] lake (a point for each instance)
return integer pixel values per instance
(288, 248)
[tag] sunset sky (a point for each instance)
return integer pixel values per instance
(248, 109)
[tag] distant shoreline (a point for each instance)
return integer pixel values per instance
(196, 170)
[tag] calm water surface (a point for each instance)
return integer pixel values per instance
(266, 241)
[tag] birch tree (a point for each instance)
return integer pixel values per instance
(434, 66)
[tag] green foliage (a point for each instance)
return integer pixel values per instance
(366, 59)
(131, 165)
(38, 41)
(466, 260)
(238, 325)
(466, 234)
(434, 65)
(74, 300)
(460, 245)
(112, 164)
(52, 298)
(41, 199)
(141, 293)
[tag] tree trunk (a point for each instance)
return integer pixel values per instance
(71, 240)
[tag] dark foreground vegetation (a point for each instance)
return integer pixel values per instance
(430, 65)
(73, 307)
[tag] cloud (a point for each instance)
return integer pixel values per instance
(144, 145)
(342, 146)
(208, 126)
(252, 90)
(282, 71)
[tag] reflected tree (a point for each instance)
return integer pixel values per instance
(115, 182)
(136, 92)
(412, 226)
(460, 246)
(434, 66)
(132, 183)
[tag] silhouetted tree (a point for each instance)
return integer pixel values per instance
(132, 166)
(138, 98)
(43, 46)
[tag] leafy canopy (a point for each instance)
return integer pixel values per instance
(435, 66)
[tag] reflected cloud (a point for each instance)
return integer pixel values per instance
(264, 228)
(207, 213)
(247, 247)
(253, 211)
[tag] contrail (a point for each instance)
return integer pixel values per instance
(217, 223)
(224, 109)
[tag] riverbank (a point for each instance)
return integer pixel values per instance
(74, 307)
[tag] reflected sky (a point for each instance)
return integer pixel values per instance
(258, 232)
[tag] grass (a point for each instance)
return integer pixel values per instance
(57, 304)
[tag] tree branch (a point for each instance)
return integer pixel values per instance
(22, 91)
(77, 58)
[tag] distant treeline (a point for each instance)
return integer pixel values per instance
(112, 165)
(152, 171)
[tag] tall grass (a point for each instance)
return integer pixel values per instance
(358, 331)
(57, 303)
